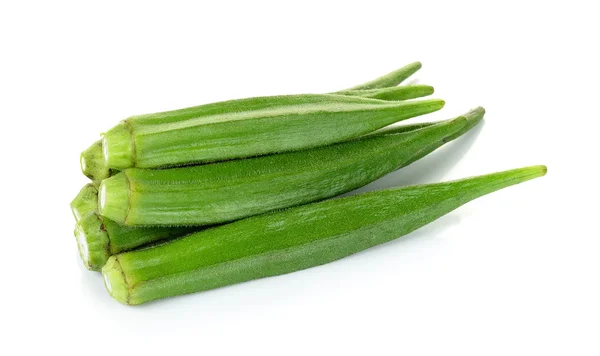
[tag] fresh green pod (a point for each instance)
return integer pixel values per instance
(250, 127)
(395, 93)
(292, 239)
(95, 167)
(226, 191)
(99, 238)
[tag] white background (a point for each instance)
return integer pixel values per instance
(513, 273)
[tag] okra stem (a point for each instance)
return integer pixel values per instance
(293, 239)
(226, 191)
(98, 238)
(85, 201)
(93, 164)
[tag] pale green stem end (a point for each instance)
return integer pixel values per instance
(85, 201)
(92, 163)
(92, 241)
(114, 280)
(118, 148)
(113, 198)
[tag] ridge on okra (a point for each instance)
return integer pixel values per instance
(98, 238)
(255, 126)
(293, 239)
(226, 191)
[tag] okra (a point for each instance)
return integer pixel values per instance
(291, 240)
(95, 167)
(226, 191)
(250, 127)
(98, 238)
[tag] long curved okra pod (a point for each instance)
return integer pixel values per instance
(291, 240)
(250, 127)
(226, 191)
(95, 167)
(99, 238)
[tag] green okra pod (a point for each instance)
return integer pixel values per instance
(226, 191)
(293, 239)
(98, 238)
(95, 167)
(250, 127)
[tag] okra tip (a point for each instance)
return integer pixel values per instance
(93, 164)
(476, 113)
(474, 116)
(92, 241)
(391, 79)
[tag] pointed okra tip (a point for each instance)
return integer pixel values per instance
(475, 114)
(470, 120)
(542, 170)
(415, 65)
(520, 175)
(114, 280)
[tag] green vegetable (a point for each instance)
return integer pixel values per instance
(226, 191)
(95, 167)
(250, 127)
(98, 238)
(291, 240)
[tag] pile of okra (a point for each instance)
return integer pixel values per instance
(203, 197)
